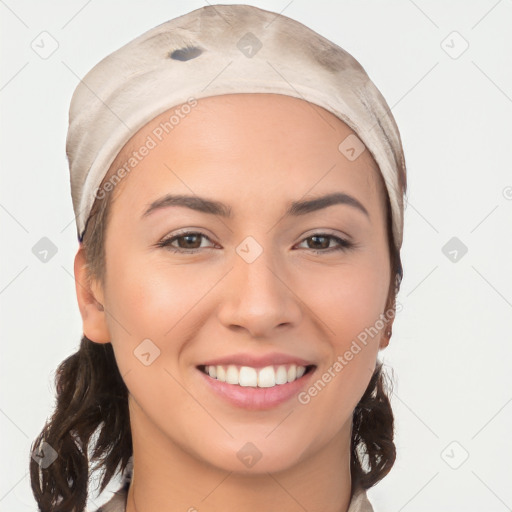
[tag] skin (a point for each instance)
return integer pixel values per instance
(249, 151)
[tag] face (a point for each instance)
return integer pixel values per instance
(186, 287)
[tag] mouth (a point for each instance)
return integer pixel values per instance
(264, 377)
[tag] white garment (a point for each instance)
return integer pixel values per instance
(117, 503)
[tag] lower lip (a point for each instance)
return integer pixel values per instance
(254, 398)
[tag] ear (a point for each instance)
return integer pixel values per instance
(90, 302)
(389, 314)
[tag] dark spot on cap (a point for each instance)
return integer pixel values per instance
(187, 53)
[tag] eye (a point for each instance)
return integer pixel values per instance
(188, 242)
(322, 241)
(191, 242)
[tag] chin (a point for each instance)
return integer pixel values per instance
(255, 457)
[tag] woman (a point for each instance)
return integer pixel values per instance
(238, 189)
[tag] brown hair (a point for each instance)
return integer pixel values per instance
(92, 396)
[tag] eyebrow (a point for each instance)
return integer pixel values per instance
(295, 209)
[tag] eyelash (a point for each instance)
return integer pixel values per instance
(344, 245)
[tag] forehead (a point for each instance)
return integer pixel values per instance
(296, 141)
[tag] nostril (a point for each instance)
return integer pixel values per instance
(187, 53)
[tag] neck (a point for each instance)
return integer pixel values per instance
(168, 478)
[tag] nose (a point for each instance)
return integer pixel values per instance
(259, 297)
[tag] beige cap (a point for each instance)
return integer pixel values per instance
(224, 49)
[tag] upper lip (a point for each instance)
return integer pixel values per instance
(255, 361)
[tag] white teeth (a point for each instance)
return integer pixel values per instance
(267, 377)
(281, 375)
(232, 375)
(221, 374)
(246, 376)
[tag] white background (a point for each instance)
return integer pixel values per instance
(451, 347)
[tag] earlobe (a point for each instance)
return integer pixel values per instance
(387, 331)
(386, 336)
(90, 302)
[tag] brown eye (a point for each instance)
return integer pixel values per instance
(189, 241)
(186, 242)
(321, 243)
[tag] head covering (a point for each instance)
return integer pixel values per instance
(224, 49)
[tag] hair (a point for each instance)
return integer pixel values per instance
(92, 396)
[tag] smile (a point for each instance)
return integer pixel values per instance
(253, 388)
(247, 376)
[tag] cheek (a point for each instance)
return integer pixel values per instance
(144, 302)
(349, 309)
(157, 301)
(346, 299)
(149, 302)
(348, 303)
(151, 296)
